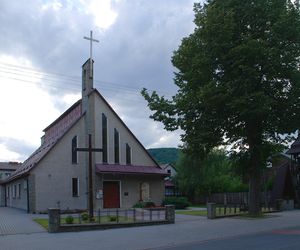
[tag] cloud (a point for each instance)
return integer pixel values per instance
(137, 40)
(15, 149)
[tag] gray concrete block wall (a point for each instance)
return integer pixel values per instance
(2, 195)
(54, 173)
(14, 199)
(31, 193)
(139, 156)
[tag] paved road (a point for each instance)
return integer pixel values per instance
(188, 232)
(288, 239)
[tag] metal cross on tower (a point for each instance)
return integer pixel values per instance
(90, 150)
(91, 39)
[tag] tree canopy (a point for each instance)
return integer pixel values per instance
(238, 80)
(215, 173)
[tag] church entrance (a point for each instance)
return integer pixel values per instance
(111, 194)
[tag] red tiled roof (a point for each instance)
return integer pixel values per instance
(129, 169)
(60, 128)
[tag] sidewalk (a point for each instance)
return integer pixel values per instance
(187, 229)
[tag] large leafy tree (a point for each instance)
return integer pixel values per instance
(238, 79)
(215, 173)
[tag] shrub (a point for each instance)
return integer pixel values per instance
(139, 205)
(84, 216)
(112, 218)
(69, 219)
(144, 204)
(178, 202)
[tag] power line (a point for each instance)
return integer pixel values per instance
(27, 70)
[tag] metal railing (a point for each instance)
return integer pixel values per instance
(228, 210)
(113, 216)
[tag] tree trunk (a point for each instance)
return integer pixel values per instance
(255, 173)
(254, 193)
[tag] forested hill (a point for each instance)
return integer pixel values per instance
(164, 155)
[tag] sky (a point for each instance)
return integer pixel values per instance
(42, 50)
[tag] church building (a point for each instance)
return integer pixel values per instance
(88, 158)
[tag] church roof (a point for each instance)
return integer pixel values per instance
(129, 169)
(53, 133)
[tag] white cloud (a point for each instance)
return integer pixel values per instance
(26, 108)
(103, 13)
(6, 155)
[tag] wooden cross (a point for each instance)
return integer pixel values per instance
(91, 50)
(90, 150)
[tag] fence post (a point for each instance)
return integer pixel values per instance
(54, 220)
(170, 213)
(211, 210)
(279, 204)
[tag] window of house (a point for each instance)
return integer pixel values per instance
(74, 152)
(7, 192)
(14, 191)
(104, 138)
(128, 154)
(19, 190)
(75, 187)
(117, 146)
(169, 171)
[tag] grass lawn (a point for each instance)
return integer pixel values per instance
(42, 222)
(194, 212)
(199, 205)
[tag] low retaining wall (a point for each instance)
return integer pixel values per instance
(56, 227)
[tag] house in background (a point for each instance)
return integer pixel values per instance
(170, 185)
(7, 168)
(57, 173)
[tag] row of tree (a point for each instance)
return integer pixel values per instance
(216, 173)
(238, 83)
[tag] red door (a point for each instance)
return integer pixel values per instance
(111, 194)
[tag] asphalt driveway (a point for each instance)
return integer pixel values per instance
(16, 221)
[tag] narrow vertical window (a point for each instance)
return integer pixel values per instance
(117, 146)
(14, 191)
(7, 192)
(75, 187)
(19, 190)
(128, 154)
(74, 152)
(104, 138)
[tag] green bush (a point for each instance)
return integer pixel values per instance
(69, 219)
(84, 216)
(178, 202)
(139, 205)
(144, 204)
(112, 218)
